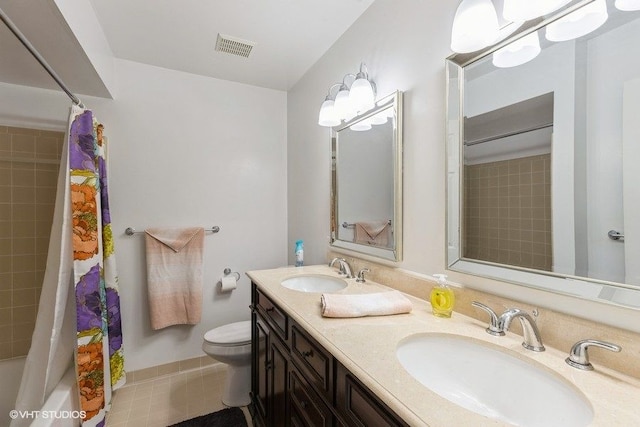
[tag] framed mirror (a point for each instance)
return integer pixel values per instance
(366, 188)
(542, 175)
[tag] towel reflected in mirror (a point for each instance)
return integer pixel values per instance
(373, 233)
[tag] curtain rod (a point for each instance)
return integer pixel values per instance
(38, 57)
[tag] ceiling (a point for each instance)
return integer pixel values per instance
(44, 27)
(289, 36)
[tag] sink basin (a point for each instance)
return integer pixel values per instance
(314, 283)
(483, 378)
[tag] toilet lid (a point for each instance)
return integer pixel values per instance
(237, 333)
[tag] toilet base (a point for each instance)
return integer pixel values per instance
(237, 386)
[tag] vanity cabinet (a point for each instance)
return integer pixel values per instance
(358, 406)
(269, 364)
(297, 382)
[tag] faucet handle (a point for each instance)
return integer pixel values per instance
(360, 278)
(494, 328)
(579, 357)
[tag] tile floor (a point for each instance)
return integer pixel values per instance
(169, 399)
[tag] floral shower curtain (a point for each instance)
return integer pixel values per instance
(99, 355)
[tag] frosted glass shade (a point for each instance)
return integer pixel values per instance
(519, 52)
(361, 125)
(361, 95)
(524, 10)
(327, 116)
(578, 23)
(628, 5)
(475, 26)
(380, 118)
(342, 106)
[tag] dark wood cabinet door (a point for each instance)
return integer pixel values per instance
(259, 385)
(358, 406)
(305, 405)
(278, 366)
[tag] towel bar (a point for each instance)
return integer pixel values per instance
(347, 225)
(130, 231)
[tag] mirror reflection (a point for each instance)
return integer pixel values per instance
(547, 160)
(366, 182)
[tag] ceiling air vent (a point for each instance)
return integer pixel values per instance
(234, 45)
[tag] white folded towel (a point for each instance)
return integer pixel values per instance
(360, 305)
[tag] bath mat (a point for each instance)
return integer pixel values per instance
(230, 417)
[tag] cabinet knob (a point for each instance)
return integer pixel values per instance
(252, 307)
(307, 353)
(304, 404)
(270, 309)
(267, 365)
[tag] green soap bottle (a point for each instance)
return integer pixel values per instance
(442, 297)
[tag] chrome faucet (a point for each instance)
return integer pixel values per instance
(498, 325)
(345, 268)
(532, 340)
(579, 357)
(360, 278)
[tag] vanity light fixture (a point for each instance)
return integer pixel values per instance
(343, 108)
(578, 23)
(518, 52)
(628, 5)
(328, 116)
(524, 10)
(350, 100)
(381, 118)
(361, 125)
(475, 26)
(361, 95)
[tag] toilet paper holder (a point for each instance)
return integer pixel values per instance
(227, 271)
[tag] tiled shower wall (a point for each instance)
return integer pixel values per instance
(507, 212)
(29, 161)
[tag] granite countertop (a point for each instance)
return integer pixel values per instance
(367, 347)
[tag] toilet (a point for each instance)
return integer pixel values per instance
(231, 344)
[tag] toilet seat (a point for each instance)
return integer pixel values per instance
(231, 335)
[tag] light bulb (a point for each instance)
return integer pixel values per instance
(628, 5)
(524, 10)
(379, 119)
(362, 125)
(327, 116)
(578, 23)
(518, 52)
(475, 26)
(342, 106)
(361, 95)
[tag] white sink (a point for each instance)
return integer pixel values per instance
(483, 378)
(314, 283)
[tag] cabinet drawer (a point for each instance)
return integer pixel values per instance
(306, 408)
(358, 406)
(274, 315)
(315, 362)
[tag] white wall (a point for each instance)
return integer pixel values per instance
(404, 44)
(610, 66)
(185, 150)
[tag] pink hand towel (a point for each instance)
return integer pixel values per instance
(174, 275)
(360, 305)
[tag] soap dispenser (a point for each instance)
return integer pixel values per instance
(442, 297)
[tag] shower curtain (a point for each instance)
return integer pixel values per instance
(80, 258)
(99, 356)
